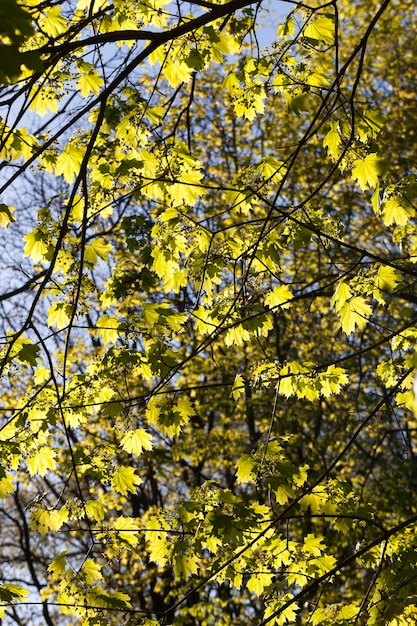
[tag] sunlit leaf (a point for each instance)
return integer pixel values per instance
(125, 480)
(367, 171)
(135, 441)
(42, 461)
(322, 28)
(69, 162)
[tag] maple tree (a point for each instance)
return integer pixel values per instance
(207, 354)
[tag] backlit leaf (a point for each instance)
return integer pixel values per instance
(367, 171)
(387, 278)
(6, 215)
(6, 486)
(135, 441)
(91, 571)
(322, 28)
(53, 23)
(69, 162)
(354, 313)
(125, 480)
(108, 328)
(245, 469)
(279, 296)
(394, 211)
(257, 582)
(127, 530)
(42, 461)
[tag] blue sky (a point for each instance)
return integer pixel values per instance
(273, 15)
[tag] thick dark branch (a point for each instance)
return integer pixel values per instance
(158, 40)
(216, 12)
(25, 287)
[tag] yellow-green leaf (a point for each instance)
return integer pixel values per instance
(313, 545)
(177, 72)
(137, 440)
(245, 469)
(185, 565)
(108, 328)
(44, 100)
(96, 249)
(127, 530)
(58, 566)
(45, 520)
(332, 140)
(53, 23)
(6, 486)
(354, 313)
(58, 315)
(36, 245)
(367, 170)
(342, 293)
(91, 571)
(257, 582)
(69, 162)
(322, 28)
(236, 335)
(89, 82)
(238, 387)
(279, 296)
(125, 480)
(95, 510)
(387, 278)
(332, 380)
(394, 211)
(6, 215)
(156, 537)
(42, 461)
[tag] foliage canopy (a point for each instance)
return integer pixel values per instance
(208, 396)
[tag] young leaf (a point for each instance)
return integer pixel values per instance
(89, 82)
(58, 315)
(366, 171)
(245, 469)
(135, 441)
(127, 530)
(238, 388)
(279, 296)
(95, 510)
(125, 480)
(109, 328)
(332, 140)
(395, 211)
(257, 582)
(69, 162)
(6, 486)
(53, 23)
(91, 572)
(6, 215)
(354, 313)
(58, 566)
(322, 28)
(42, 461)
(28, 353)
(185, 565)
(387, 278)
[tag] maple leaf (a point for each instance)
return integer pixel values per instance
(135, 441)
(125, 480)
(69, 162)
(366, 171)
(42, 461)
